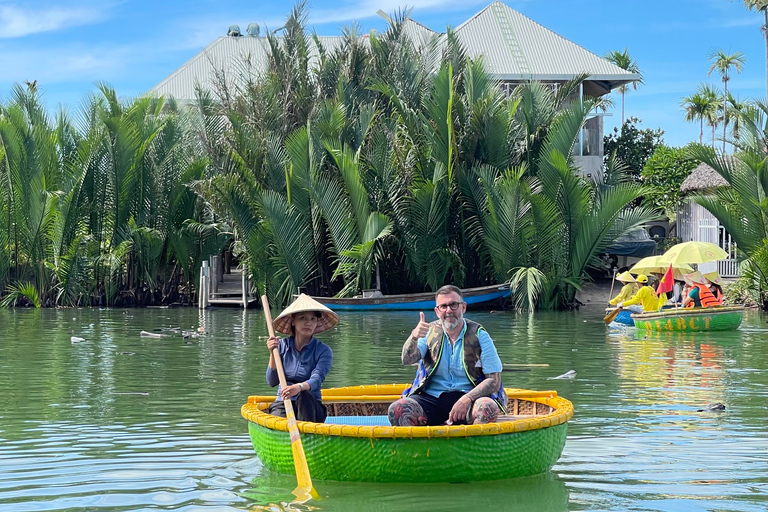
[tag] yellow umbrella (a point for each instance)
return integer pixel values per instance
(694, 252)
(656, 265)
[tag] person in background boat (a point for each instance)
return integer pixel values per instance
(645, 296)
(700, 295)
(306, 360)
(458, 380)
(715, 281)
(677, 292)
(627, 291)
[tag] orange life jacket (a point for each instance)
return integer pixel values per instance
(706, 297)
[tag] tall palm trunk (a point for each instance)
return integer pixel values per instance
(725, 108)
(701, 130)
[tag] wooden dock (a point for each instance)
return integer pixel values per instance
(224, 290)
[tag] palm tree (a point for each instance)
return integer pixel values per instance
(625, 62)
(735, 108)
(696, 107)
(722, 63)
(702, 106)
(761, 6)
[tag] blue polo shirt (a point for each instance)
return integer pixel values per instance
(449, 374)
(310, 365)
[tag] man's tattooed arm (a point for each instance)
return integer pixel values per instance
(488, 386)
(411, 353)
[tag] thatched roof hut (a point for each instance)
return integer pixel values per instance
(703, 177)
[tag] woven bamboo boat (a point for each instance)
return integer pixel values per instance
(356, 443)
(718, 318)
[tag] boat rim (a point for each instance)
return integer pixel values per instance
(666, 313)
(253, 411)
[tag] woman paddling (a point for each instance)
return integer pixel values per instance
(627, 291)
(306, 360)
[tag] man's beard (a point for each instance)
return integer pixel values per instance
(451, 322)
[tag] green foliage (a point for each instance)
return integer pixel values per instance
(742, 206)
(663, 174)
(397, 159)
(632, 146)
(21, 292)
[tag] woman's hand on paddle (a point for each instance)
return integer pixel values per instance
(422, 328)
(290, 391)
(273, 343)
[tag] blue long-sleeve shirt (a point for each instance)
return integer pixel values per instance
(309, 365)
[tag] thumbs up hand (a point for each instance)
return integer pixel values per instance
(422, 328)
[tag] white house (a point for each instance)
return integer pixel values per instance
(514, 48)
(694, 222)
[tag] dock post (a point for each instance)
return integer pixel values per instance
(200, 289)
(245, 289)
(204, 284)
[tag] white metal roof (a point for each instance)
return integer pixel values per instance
(513, 47)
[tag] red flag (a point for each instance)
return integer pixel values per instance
(667, 282)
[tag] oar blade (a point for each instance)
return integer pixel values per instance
(610, 317)
(304, 494)
(300, 461)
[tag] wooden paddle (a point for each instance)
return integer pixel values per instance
(612, 282)
(304, 491)
(610, 317)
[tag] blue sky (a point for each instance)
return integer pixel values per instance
(68, 46)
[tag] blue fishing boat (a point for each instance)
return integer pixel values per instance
(412, 301)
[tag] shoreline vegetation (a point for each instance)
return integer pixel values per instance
(380, 163)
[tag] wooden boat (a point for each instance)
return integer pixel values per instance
(412, 301)
(624, 317)
(357, 443)
(718, 318)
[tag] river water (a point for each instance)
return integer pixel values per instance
(118, 422)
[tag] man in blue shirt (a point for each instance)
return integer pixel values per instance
(459, 375)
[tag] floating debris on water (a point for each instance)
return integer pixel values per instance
(716, 407)
(570, 374)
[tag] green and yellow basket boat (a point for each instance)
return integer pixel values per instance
(718, 318)
(356, 443)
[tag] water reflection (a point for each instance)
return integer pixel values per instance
(540, 493)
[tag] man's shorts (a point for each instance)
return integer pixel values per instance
(437, 409)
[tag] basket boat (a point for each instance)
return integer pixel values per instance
(718, 318)
(624, 317)
(356, 443)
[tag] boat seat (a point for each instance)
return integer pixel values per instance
(378, 420)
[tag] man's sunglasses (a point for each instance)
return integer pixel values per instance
(453, 305)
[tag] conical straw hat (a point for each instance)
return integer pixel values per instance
(626, 277)
(713, 277)
(303, 304)
(694, 277)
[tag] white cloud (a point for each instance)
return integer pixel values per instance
(19, 22)
(201, 32)
(69, 63)
(368, 8)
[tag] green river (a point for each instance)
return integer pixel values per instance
(118, 422)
